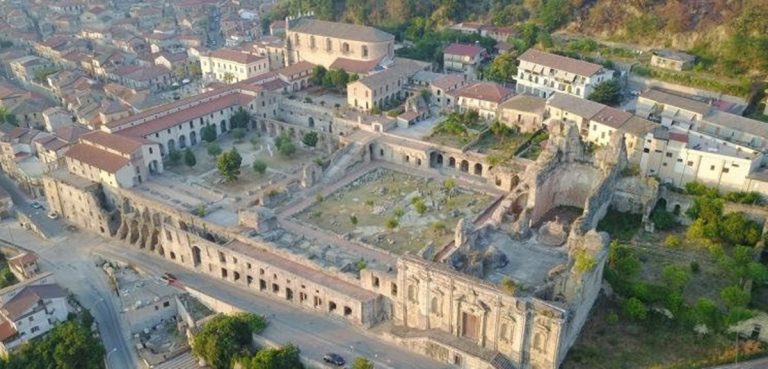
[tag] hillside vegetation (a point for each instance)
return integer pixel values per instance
(729, 36)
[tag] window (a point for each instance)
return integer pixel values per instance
(35, 329)
(365, 51)
(167, 304)
(669, 154)
(690, 163)
(726, 170)
(712, 167)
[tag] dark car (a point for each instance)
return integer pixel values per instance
(334, 359)
(169, 277)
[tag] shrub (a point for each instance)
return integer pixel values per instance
(174, 157)
(635, 309)
(310, 139)
(734, 297)
(208, 133)
(673, 241)
(399, 212)
(214, 149)
(259, 167)
(508, 285)
(319, 198)
(584, 261)
(189, 158)
(353, 219)
(238, 133)
(663, 220)
(612, 318)
(695, 268)
(391, 223)
(361, 264)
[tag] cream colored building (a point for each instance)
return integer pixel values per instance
(223, 65)
(484, 97)
(323, 43)
(526, 112)
(541, 73)
(385, 88)
(442, 86)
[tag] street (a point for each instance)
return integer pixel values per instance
(23, 205)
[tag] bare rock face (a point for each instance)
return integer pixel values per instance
(465, 233)
(259, 218)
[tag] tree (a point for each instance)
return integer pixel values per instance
(225, 337)
(228, 78)
(229, 165)
(635, 309)
(238, 133)
(285, 145)
(7, 117)
(675, 277)
(318, 75)
(673, 241)
(214, 149)
(286, 357)
(502, 69)
(195, 69)
(259, 167)
(208, 133)
(362, 363)
(391, 223)
(174, 157)
(735, 297)
(606, 92)
(179, 71)
(240, 119)
(353, 219)
(310, 139)
(69, 345)
(189, 158)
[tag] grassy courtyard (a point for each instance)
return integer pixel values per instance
(395, 211)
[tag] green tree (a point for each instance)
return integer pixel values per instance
(706, 312)
(318, 75)
(174, 157)
(69, 345)
(287, 148)
(189, 158)
(310, 139)
(179, 72)
(229, 78)
(240, 119)
(229, 165)
(238, 133)
(208, 133)
(225, 337)
(635, 309)
(7, 117)
(214, 149)
(286, 357)
(259, 166)
(362, 363)
(734, 297)
(353, 219)
(391, 223)
(606, 92)
(675, 277)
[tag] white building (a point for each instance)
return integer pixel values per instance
(541, 73)
(31, 312)
(233, 66)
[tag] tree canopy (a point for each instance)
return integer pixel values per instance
(286, 357)
(240, 119)
(208, 133)
(229, 165)
(606, 92)
(226, 337)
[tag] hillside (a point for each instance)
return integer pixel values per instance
(729, 36)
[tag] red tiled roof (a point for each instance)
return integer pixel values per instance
(354, 66)
(6, 330)
(23, 259)
(463, 49)
(612, 117)
(185, 115)
(449, 82)
(295, 69)
(123, 144)
(97, 157)
(29, 296)
(487, 91)
(235, 56)
(563, 63)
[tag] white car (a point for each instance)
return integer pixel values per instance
(53, 215)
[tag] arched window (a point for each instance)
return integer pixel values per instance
(412, 292)
(365, 51)
(435, 307)
(312, 42)
(345, 47)
(328, 44)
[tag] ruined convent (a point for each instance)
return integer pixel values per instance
(485, 264)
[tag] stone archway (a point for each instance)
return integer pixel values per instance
(171, 145)
(182, 142)
(196, 256)
(311, 122)
(452, 162)
(193, 138)
(464, 166)
(478, 169)
(223, 126)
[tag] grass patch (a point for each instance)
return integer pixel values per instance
(621, 226)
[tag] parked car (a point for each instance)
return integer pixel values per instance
(36, 205)
(334, 359)
(53, 215)
(169, 277)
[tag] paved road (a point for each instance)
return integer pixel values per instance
(753, 364)
(22, 204)
(314, 334)
(69, 258)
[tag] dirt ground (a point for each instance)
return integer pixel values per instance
(379, 195)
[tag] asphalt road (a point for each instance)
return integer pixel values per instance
(23, 205)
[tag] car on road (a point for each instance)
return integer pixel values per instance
(334, 359)
(169, 277)
(53, 215)
(36, 205)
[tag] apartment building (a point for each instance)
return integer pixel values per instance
(526, 112)
(484, 97)
(542, 74)
(31, 312)
(463, 58)
(384, 88)
(233, 66)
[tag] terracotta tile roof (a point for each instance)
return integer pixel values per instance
(638, 126)
(343, 31)
(354, 66)
(23, 259)
(612, 117)
(123, 144)
(526, 103)
(29, 296)
(558, 62)
(575, 105)
(185, 115)
(487, 91)
(70, 133)
(292, 71)
(676, 101)
(6, 330)
(450, 82)
(463, 49)
(235, 56)
(97, 157)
